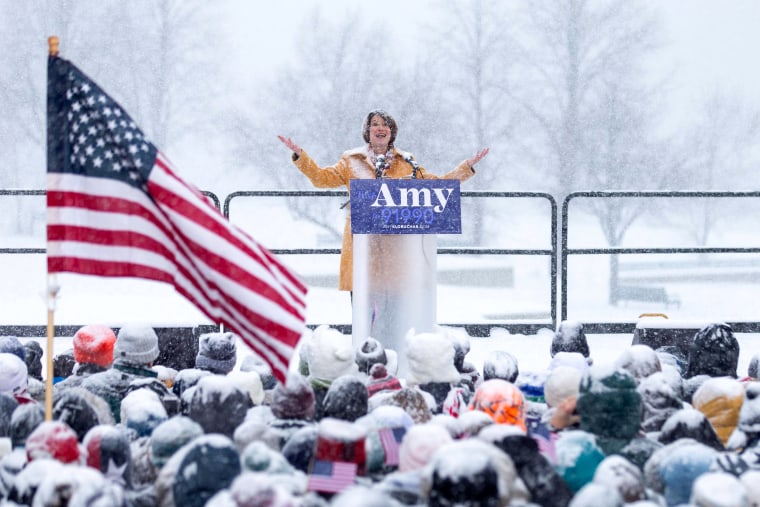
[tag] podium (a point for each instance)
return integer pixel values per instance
(395, 225)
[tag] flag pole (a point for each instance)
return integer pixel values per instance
(52, 293)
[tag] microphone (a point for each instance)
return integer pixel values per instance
(415, 167)
(380, 166)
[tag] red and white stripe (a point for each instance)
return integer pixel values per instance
(103, 227)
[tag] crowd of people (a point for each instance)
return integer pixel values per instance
(656, 427)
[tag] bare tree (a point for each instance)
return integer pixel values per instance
(721, 153)
(342, 70)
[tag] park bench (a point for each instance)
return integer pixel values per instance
(647, 294)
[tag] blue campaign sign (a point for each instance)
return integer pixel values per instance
(407, 206)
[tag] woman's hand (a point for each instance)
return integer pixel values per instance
(477, 157)
(290, 144)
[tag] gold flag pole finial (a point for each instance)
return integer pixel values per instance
(53, 43)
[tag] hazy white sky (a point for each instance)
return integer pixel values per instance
(713, 43)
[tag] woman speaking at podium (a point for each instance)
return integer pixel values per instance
(379, 158)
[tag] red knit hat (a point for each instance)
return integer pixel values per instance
(93, 344)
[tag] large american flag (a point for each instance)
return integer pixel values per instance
(117, 208)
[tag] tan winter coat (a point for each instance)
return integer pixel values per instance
(355, 164)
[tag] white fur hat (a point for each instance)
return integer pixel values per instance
(562, 382)
(330, 354)
(430, 357)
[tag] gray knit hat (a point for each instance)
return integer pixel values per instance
(136, 345)
(217, 352)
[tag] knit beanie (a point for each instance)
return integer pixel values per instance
(419, 444)
(12, 345)
(294, 399)
(609, 406)
(217, 352)
(720, 400)
(136, 345)
(54, 440)
(94, 344)
(13, 376)
(380, 380)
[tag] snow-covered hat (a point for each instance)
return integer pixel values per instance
(639, 360)
(33, 358)
(627, 478)
(218, 405)
(107, 450)
(136, 345)
(562, 383)
(142, 411)
(171, 435)
(487, 479)
(55, 440)
(419, 444)
(412, 400)
(430, 357)
(198, 471)
(24, 420)
(380, 380)
(501, 400)
(13, 374)
(610, 406)
(217, 352)
(715, 489)
(329, 354)
(12, 345)
(500, 364)
(689, 423)
(681, 468)
(720, 400)
(250, 382)
(94, 344)
(369, 353)
(570, 337)
(714, 352)
(578, 456)
(294, 399)
(7, 405)
(346, 398)
(573, 359)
